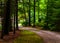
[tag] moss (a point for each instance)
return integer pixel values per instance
(28, 37)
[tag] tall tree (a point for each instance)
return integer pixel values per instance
(29, 14)
(47, 15)
(34, 12)
(16, 8)
(38, 10)
(6, 21)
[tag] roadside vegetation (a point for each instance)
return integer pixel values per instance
(28, 37)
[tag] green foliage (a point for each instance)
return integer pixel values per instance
(47, 12)
(53, 15)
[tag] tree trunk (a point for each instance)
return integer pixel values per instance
(6, 21)
(38, 11)
(29, 14)
(34, 13)
(16, 14)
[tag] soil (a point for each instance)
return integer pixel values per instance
(9, 38)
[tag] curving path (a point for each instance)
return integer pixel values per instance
(48, 36)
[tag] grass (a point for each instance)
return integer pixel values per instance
(28, 37)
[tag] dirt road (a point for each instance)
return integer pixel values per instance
(48, 36)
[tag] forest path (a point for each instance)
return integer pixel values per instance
(48, 36)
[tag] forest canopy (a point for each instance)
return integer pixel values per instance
(42, 13)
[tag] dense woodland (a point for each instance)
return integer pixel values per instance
(41, 13)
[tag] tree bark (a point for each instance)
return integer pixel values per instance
(16, 14)
(29, 14)
(6, 21)
(34, 13)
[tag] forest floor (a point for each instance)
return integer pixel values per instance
(9, 38)
(21, 36)
(48, 36)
